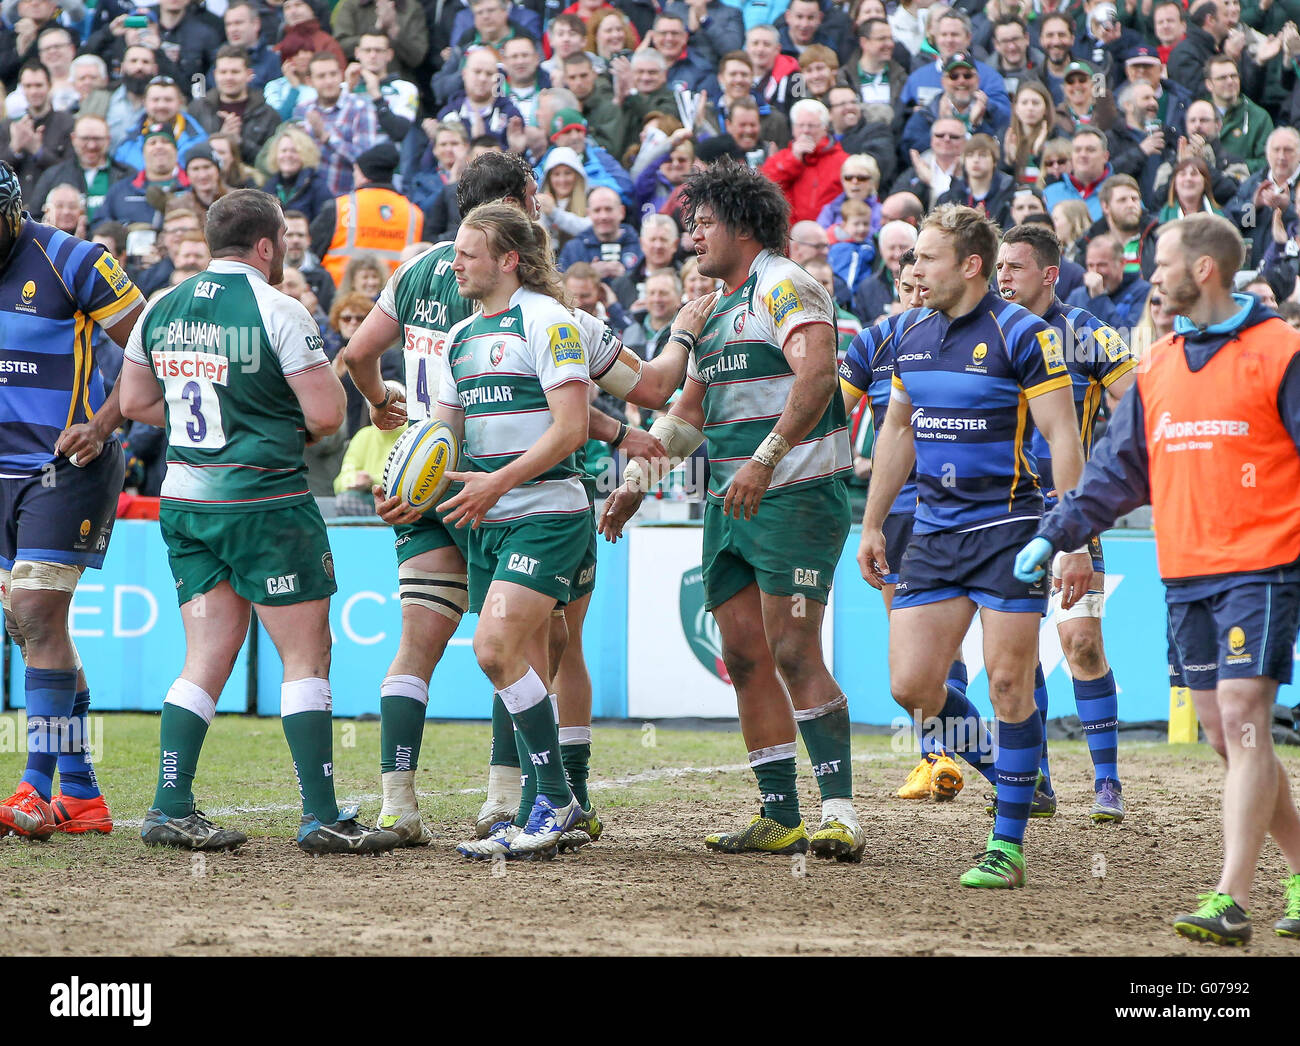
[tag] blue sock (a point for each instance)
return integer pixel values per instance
(1098, 707)
(964, 734)
(1017, 770)
(933, 746)
(76, 771)
(1040, 699)
(50, 695)
(957, 676)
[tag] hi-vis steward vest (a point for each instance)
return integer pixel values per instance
(375, 220)
(1224, 471)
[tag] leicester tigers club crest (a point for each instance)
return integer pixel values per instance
(738, 324)
(385, 212)
(497, 353)
(699, 626)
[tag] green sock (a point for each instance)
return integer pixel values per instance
(311, 744)
(537, 725)
(505, 750)
(776, 785)
(527, 778)
(826, 736)
(402, 701)
(576, 758)
(180, 739)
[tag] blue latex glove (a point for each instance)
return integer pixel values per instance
(1032, 559)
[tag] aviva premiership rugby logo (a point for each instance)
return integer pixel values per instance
(699, 626)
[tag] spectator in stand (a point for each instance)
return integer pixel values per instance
(714, 27)
(343, 126)
(1026, 200)
(367, 453)
(569, 129)
(402, 21)
(1124, 219)
(39, 139)
(932, 172)
(1143, 66)
(479, 105)
(653, 313)
(735, 86)
(1033, 124)
(694, 283)
(192, 258)
(860, 180)
(303, 38)
(1140, 145)
(1202, 142)
(982, 186)
(1169, 22)
(162, 107)
(595, 297)
(854, 133)
(236, 107)
(243, 28)
(805, 25)
(1189, 191)
(1271, 187)
(396, 101)
(562, 197)
(819, 67)
(365, 274)
(875, 74)
(567, 34)
(22, 27)
(1057, 160)
(691, 69)
(1056, 38)
(89, 77)
(441, 166)
(234, 172)
(474, 25)
(144, 197)
(1071, 222)
(1012, 58)
(1104, 40)
(606, 120)
(960, 98)
(204, 174)
(609, 32)
(492, 28)
(188, 38)
(297, 242)
(179, 221)
(65, 209)
(443, 220)
(907, 21)
(524, 79)
(808, 170)
(876, 295)
(87, 168)
(610, 246)
(672, 160)
(952, 34)
(774, 71)
(851, 255)
(1207, 29)
(1083, 105)
(1089, 168)
(1112, 295)
(1245, 127)
(55, 48)
(659, 241)
(294, 174)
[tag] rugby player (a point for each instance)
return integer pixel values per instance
(868, 370)
(1099, 362)
(969, 370)
(237, 374)
(1210, 437)
(420, 303)
(60, 475)
(761, 388)
(514, 387)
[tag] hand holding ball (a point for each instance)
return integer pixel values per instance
(417, 466)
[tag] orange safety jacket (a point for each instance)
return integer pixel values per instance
(371, 220)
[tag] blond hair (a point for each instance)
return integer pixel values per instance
(507, 229)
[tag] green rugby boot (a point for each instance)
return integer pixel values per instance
(1219, 919)
(1289, 924)
(1001, 867)
(763, 835)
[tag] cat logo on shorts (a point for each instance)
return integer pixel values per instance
(29, 291)
(85, 529)
(497, 353)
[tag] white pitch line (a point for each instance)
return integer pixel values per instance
(645, 777)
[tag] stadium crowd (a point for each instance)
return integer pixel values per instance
(1103, 120)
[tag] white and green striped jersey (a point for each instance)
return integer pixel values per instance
(498, 370)
(221, 345)
(423, 297)
(739, 360)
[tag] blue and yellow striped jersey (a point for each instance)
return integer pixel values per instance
(1096, 355)
(868, 370)
(968, 383)
(54, 289)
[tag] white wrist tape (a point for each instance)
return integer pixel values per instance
(681, 439)
(773, 448)
(622, 376)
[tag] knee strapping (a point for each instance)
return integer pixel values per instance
(445, 594)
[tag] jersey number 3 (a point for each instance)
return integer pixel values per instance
(194, 415)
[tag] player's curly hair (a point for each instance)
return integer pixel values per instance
(491, 177)
(743, 200)
(509, 229)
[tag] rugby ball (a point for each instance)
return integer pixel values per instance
(417, 466)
